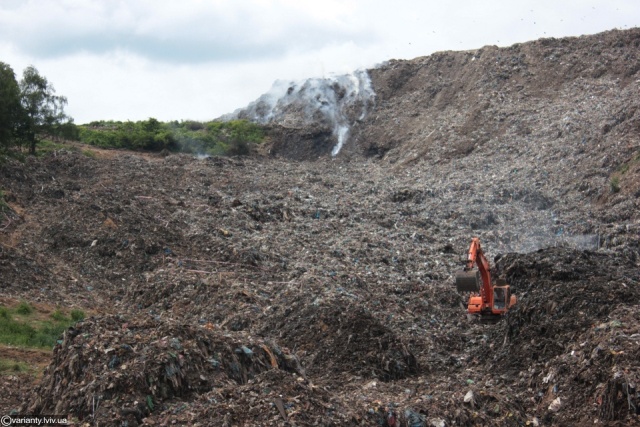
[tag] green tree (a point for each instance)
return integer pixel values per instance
(9, 105)
(43, 109)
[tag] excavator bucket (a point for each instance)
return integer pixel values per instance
(468, 281)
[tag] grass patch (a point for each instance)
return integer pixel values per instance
(24, 308)
(45, 147)
(27, 331)
(77, 315)
(89, 153)
(9, 366)
(615, 185)
(59, 316)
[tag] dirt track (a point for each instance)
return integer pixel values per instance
(265, 291)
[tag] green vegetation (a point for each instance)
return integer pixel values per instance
(3, 203)
(24, 308)
(45, 147)
(624, 168)
(89, 153)
(77, 315)
(32, 115)
(74, 316)
(59, 316)
(149, 135)
(615, 184)
(30, 111)
(215, 138)
(8, 366)
(10, 108)
(150, 402)
(20, 327)
(42, 111)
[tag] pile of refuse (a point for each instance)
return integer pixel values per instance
(336, 335)
(199, 287)
(109, 369)
(571, 340)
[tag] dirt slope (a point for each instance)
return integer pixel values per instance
(266, 291)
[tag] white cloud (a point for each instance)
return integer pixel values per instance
(170, 31)
(128, 59)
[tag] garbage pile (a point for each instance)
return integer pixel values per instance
(272, 398)
(321, 110)
(335, 335)
(213, 255)
(571, 340)
(111, 370)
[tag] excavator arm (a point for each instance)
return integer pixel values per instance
(476, 257)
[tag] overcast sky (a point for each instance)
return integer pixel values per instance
(199, 59)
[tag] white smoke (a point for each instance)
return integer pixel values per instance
(335, 102)
(341, 132)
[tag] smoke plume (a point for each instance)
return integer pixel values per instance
(334, 102)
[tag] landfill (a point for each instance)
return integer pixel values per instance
(318, 288)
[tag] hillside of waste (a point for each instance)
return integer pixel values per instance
(305, 285)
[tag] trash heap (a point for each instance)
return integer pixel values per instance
(569, 340)
(336, 335)
(272, 398)
(111, 370)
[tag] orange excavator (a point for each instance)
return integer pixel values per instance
(487, 299)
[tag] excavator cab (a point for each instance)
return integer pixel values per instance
(503, 300)
(499, 298)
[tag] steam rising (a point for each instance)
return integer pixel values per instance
(334, 102)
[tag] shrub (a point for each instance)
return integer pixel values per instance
(615, 184)
(193, 125)
(24, 308)
(3, 203)
(624, 168)
(216, 137)
(239, 147)
(59, 316)
(77, 315)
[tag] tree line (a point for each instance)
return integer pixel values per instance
(233, 137)
(30, 110)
